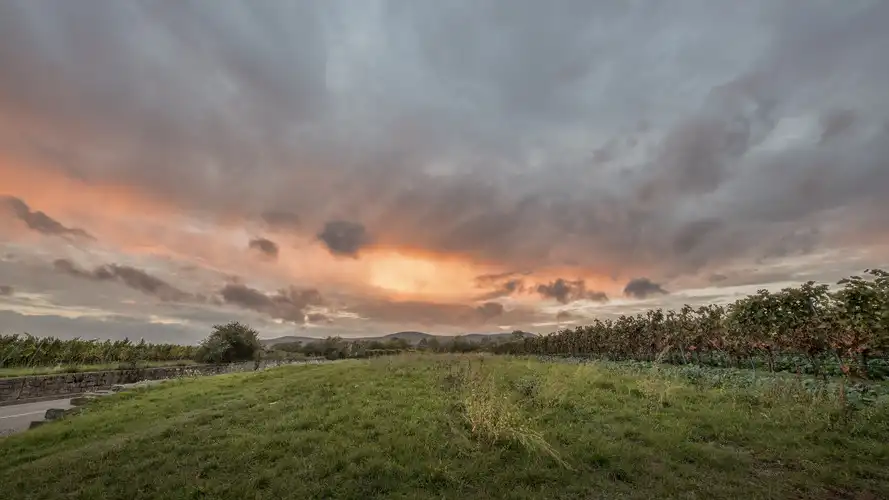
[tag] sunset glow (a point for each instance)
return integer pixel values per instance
(361, 170)
(416, 277)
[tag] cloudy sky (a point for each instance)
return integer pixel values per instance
(357, 168)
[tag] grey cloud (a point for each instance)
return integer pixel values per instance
(431, 314)
(344, 237)
(487, 130)
(799, 241)
(640, 288)
(836, 123)
(113, 327)
(288, 304)
(266, 247)
(39, 221)
(564, 316)
(717, 278)
(565, 291)
(502, 285)
(490, 310)
(129, 276)
(6, 291)
(318, 318)
(282, 220)
(68, 267)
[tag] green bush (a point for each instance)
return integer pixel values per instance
(229, 343)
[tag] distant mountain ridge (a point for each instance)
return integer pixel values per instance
(410, 336)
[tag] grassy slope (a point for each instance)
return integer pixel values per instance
(449, 427)
(24, 371)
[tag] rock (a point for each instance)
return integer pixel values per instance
(54, 414)
(36, 423)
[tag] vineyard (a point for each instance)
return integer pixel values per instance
(800, 329)
(29, 351)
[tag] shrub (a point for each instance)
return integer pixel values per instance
(228, 343)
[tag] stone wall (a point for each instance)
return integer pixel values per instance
(69, 384)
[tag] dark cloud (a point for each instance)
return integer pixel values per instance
(564, 316)
(565, 291)
(288, 304)
(266, 247)
(6, 291)
(692, 234)
(129, 276)
(490, 310)
(502, 284)
(836, 123)
(318, 318)
(640, 288)
(800, 241)
(489, 132)
(344, 237)
(39, 221)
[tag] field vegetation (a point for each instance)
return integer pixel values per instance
(28, 351)
(22, 355)
(462, 426)
(799, 329)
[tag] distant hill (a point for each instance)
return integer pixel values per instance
(412, 337)
(287, 340)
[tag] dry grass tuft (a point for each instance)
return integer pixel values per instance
(494, 417)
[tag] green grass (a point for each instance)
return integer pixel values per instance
(24, 371)
(455, 427)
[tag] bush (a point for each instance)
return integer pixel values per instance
(229, 343)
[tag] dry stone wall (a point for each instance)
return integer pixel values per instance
(69, 384)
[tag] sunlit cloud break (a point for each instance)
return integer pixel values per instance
(330, 167)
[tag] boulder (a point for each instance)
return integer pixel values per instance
(54, 414)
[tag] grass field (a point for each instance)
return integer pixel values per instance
(24, 371)
(456, 427)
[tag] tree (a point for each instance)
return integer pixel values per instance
(228, 343)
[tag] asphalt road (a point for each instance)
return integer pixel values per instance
(17, 418)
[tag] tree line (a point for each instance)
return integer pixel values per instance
(803, 328)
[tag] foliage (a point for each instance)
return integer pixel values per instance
(229, 343)
(30, 351)
(339, 348)
(802, 329)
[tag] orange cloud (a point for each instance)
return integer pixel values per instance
(52, 191)
(131, 222)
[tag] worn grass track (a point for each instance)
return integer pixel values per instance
(453, 427)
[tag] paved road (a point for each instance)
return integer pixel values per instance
(17, 418)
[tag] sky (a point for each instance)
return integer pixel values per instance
(348, 168)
